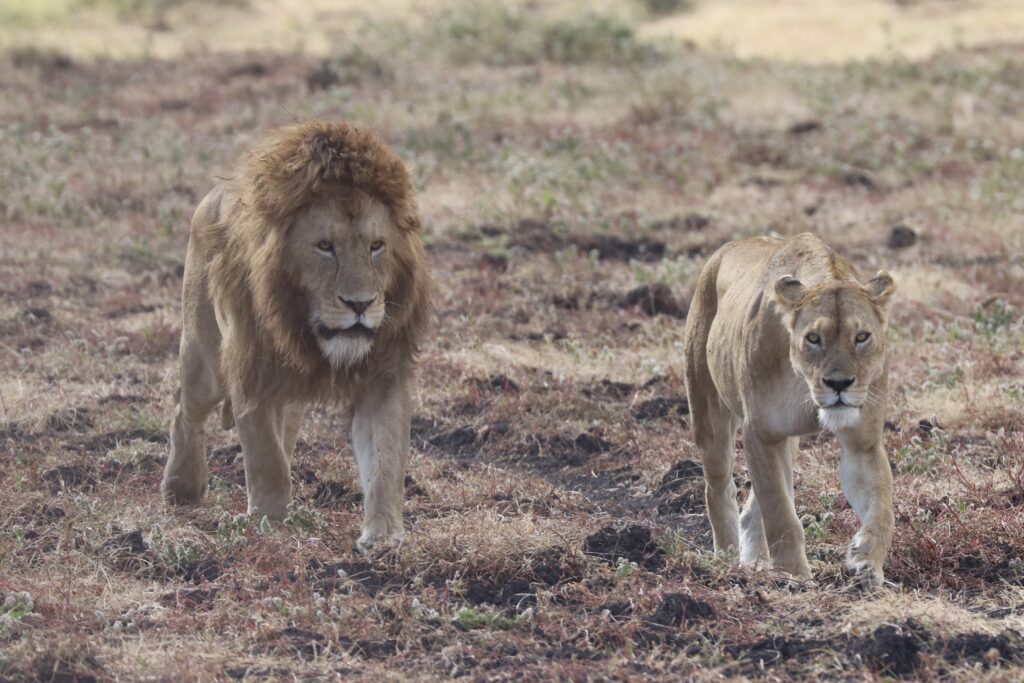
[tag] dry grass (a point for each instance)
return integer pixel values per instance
(557, 174)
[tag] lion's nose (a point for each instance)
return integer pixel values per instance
(358, 306)
(838, 385)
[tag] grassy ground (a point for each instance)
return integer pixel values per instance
(573, 177)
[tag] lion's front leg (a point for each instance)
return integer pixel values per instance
(867, 483)
(380, 439)
(267, 474)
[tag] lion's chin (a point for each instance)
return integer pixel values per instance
(838, 417)
(346, 351)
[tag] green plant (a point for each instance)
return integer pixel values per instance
(471, 619)
(993, 317)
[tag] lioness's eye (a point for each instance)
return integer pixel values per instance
(325, 245)
(813, 339)
(862, 337)
(376, 245)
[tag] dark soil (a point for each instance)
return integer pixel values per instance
(690, 501)
(677, 609)
(516, 592)
(662, 407)
(633, 543)
(656, 299)
(889, 651)
(69, 477)
(331, 494)
(679, 475)
(901, 237)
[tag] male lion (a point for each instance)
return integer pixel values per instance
(783, 339)
(305, 281)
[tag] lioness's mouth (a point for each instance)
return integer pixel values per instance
(356, 330)
(841, 404)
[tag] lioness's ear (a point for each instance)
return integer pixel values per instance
(789, 291)
(881, 287)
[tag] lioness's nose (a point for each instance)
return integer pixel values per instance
(838, 385)
(358, 306)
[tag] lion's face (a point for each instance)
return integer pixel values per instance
(837, 344)
(340, 254)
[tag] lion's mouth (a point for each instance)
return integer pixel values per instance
(356, 330)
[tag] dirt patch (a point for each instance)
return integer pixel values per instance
(981, 648)
(889, 651)
(612, 247)
(540, 236)
(677, 609)
(691, 222)
(516, 593)
(607, 389)
(901, 237)
(328, 577)
(633, 543)
(497, 382)
(771, 651)
(64, 664)
(295, 642)
(567, 451)
(369, 649)
(189, 598)
(551, 567)
(70, 477)
(690, 501)
(655, 299)
(675, 406)
(333, 494)
(459, 441)
(680, 475)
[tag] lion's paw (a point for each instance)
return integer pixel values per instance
(865, 575)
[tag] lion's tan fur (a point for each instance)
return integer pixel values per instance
(249, 333)
(772, 323)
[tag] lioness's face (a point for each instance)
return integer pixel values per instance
(837, 344)
(343, 261)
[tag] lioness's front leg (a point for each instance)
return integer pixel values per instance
(771, 472)
(867, 483)
(380, 439)
(267, 474)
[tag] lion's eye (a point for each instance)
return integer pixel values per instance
(325, 245)
(862, 337)
(376, 246)
(813, 339)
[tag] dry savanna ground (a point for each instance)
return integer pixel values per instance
(574, 174)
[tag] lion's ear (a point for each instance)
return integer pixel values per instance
(789, 291)
(881, 287)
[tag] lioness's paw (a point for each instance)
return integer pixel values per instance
(376, 541)
(179, 492)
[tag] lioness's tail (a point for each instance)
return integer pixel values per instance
(702, 312)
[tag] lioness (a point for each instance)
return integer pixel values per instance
(305, 281)
(782, 339)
